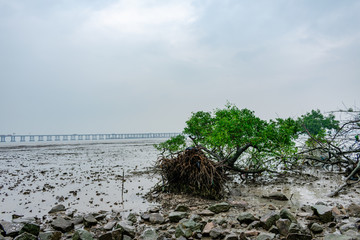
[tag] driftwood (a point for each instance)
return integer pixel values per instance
(346, 184)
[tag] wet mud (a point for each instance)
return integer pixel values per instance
(115, 176)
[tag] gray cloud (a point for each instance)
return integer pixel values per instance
(144, 66)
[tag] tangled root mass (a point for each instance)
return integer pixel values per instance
(191, 172)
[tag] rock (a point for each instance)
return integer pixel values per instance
(177, 216)
(181, 208)
(186, 228)
(286, 214)
(208, 227)
(316, 228)
(145, 216)
(11, 229)
(220, 207)
(349, 226)
(251, 233)
(89, 220)
(283, 225)
(231, 236)
(25, 236)
(353, 234)
(206, 213)
(126, 237)
(246, 217)
(354, 210)
(269, 219)
(336, 211)
(109, 226)
(274, 230)
(62, 225)
(31, 228)
(78, 219)
(216, 233)
(82, 234)
(299, 236)
(57, 208)
(240, 204)
(276, 196)
(149, 234)
(132, 218)
(195, 217)
(24, 220)
(156, 218)
(126, 227)
(117, 234)
(254, 224)
(323, 212)
(54, 235)
(154, 210)
(333, 236)
(265, 236)
(106, 236)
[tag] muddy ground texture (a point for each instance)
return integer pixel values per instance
(259, 210)
(80, 195)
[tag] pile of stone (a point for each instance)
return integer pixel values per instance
(230, 221)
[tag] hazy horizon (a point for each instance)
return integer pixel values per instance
(136, 66)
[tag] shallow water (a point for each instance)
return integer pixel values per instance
(86, 176)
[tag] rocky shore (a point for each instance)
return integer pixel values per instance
(178, 218)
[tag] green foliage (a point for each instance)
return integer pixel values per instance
(173, 145)
(238, 137)
(317, 125)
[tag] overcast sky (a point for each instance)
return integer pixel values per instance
(107, 66)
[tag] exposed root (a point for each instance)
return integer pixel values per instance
(191, 172)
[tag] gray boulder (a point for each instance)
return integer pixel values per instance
(181, 208)
(156, 218)
(62, 225)
(53, 235)
(57, 208)
(186, 228)
(11, 229)
(231, 236)
(127, 227)
(177, 216)
(269, 220)
(276, 196)
(82, 234)
(149, 234)
(220, 207)
(246, 217)
(283, 225)
(32, 228)
(217, 233)
(25, 236)
(109, 226)
(89, 220)
(286, 214)
(323, 212)
(316, 228)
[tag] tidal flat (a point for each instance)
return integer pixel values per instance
(86, 176)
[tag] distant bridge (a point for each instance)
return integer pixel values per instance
(74, 137)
